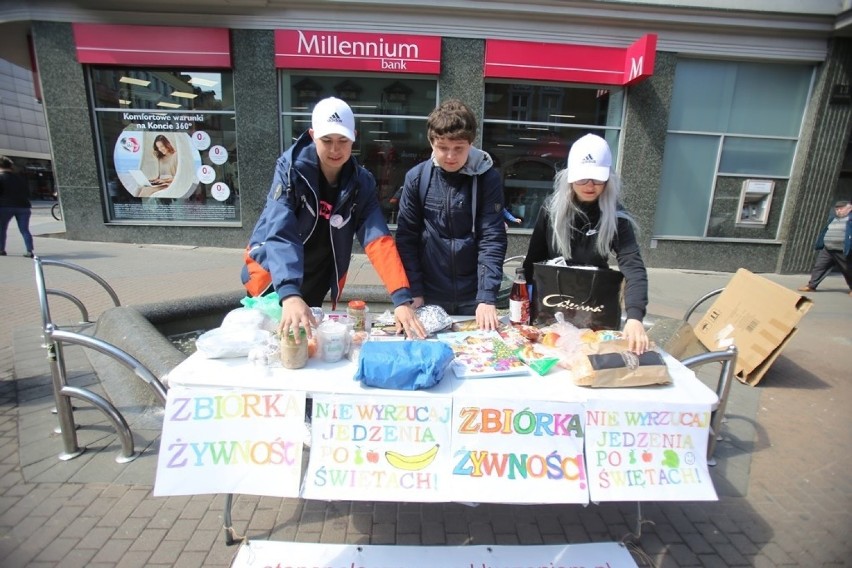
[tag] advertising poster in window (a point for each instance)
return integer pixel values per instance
(167, 167)
(167, 144)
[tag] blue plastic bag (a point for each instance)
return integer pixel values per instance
(403, 365)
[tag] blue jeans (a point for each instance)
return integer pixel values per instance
(22, 217)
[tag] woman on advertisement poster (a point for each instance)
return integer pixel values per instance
(167, 163)
(167, 170)
(166, 160)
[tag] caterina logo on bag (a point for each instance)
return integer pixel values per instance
(560, 301)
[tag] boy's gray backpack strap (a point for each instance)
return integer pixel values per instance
(425, 178)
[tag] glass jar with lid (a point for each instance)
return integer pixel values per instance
(294, 355)
(357, 312)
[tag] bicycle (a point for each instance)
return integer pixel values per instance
(56, 211)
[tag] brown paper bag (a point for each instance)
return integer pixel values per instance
(612, 364)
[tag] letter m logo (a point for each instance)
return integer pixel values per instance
(635, 67)
(639, 59)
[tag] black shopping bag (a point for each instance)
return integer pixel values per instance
(588, 297)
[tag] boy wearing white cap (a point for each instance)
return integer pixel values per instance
(302, 243)
(583, 222)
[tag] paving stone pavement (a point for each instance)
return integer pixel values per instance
(784, 472)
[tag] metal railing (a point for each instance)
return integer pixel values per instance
(54, 339)
(43, 291)
(689, 311)
(728, 359)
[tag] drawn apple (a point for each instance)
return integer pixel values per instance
(373, 456)
(647, 456)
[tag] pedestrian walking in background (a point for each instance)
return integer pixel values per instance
(834, 244)
(14, 203)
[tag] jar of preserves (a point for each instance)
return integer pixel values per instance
(357, 312)
(294, 355)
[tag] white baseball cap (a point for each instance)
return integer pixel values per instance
(333, 116)
(589, 158)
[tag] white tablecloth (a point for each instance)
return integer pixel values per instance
(321, 377)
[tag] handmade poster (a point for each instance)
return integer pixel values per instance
(379, 448)
(482, 354)
(647, 451)
(259, 553)
(231, 441)
(524, 451)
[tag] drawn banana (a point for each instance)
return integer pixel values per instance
(412, 463)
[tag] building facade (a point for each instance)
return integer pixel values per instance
(729, 127)
(23, 132)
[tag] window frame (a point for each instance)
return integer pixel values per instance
(540, 91)
(719, 174)
(385, 191)
(231, 212)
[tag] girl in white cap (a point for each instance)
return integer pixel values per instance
(583, 222)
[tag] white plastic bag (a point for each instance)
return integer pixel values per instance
(224, 342)
(249, 318)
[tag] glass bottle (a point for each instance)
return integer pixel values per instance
(357, 312)
(519, 300)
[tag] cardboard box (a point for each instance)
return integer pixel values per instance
(758, 316)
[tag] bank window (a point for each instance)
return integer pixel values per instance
(528, 129)
(390, 120)
(730, 122)
(520, 104)
(167, 145)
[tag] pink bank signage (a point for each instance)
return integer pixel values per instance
(162, 46)
(571, 63)
(351, 51)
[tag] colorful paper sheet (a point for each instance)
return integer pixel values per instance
(231, 441)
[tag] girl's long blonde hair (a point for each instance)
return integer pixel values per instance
(565, 215)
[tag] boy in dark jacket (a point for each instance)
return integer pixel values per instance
(450, 230)
(302, 243)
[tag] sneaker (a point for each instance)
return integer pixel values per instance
(2, 253)
(806, 288)
(29, 254)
